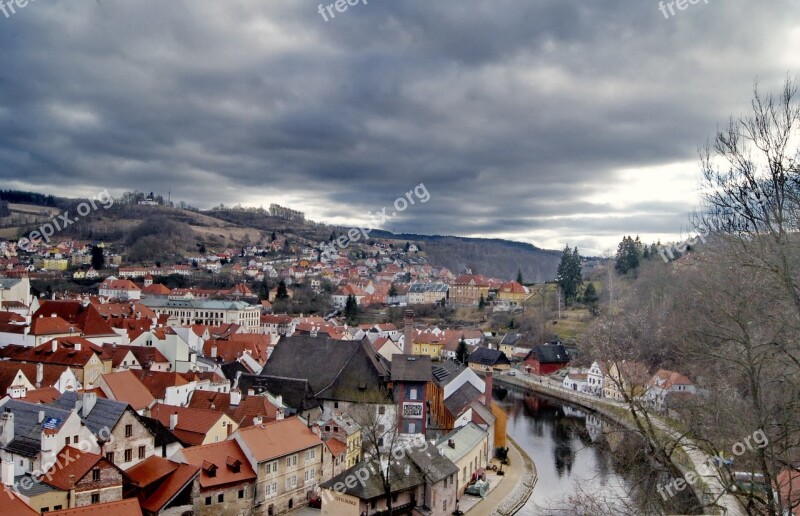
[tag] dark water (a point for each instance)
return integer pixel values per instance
(578, 454)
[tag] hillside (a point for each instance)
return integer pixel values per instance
(149, 233)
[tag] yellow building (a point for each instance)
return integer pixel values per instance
(428, 344)
(54, 264)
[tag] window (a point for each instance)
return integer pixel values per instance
(291, 461)
(45, 509)
(128, 430)
(327, 428)
(142, 452)
(291, 482)
(444, 505)
(310, 455)
(96, 498)
(310, 475)
(221, 498)
(241, 494)
(464, 476)
(381, 410)
(413, 394)
(272, 489)
(373, 504)
(335, 404)
(74, 439)
(110, 457)
(412, 428)
(208, 500)
(272, 467)
(66, 440)
(128, 455)
(95, 474)
(56, 507)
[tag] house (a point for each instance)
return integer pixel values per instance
(123, 437)
(667, 383)
(422, 481)
(86, 319)
(122, 289)
(512, 293)
(596, 377)
(287, 458)
(345, 430)
(576, 381)
(194, 427)
(410, 377)
(175, 349)
(227, 480)
(454, 388)
(427, 293)
(31, 435)
(468, 448)
(625, 380)
(81, 479)
(165, 487)
(485, 359)
(17, 379)
(426, 343)
(547, 359)
(340, 375)
(467, 290)
(11, 503)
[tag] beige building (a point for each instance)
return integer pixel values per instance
(287, 458)
(468, 447)
(208, 312)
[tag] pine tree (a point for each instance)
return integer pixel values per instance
(569, 275)
(462, 353)
(393, 290)
(481, 303)
(519, 277)
(282, 293)
(98, 258)
(351, 309)
(629, 255)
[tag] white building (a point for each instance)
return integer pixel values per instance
(208, 312)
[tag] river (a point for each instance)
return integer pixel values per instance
(577, 454)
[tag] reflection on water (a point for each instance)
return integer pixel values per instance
(576, 453)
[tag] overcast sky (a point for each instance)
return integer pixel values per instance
(549, 122)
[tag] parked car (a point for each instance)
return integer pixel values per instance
(511, 373)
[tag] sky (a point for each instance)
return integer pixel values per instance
(546, 121)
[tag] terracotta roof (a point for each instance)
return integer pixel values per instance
(211, 400)
(231, 464)
(156, 289)
(145, 355)
(668, 379)
(65, 353)
(252, 407)
(193, 424)
(230, 350)
(70, 462)
(128, 507)
(52, 326)
(87, 318)
(136, 310)
(119, 284)
(167, 479)
(11, 317)
(336, 447)
(276, 439)
(44, 395)
(125, 386)
(157, 382)
(10, 503)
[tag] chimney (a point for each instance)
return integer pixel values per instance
(173, 421)
(408, 332)
(451, 443)
(214, 351)
(39, 374)
(7, 434)
(236, 397)
(41, 416)
(77, 346)
(89, 400)
(55, 345)
(257, 420)
(487, 390)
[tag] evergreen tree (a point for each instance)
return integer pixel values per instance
(263, 290)
(569, 276)
(519, 277)
(393, 290)
(282, 293)
(408, 246)
(481, 303)
(351, 309)
(629, 255)
(98, 258)
(462, 353)
(590, 298)
(274, 237)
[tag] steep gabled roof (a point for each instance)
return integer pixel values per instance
(230, 463)
(276, 439)
(125, 386)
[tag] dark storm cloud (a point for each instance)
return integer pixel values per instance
(513, 114)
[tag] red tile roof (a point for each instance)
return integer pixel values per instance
(70, 462)
(193, 424)
(52, 326)
(273, 440)
(45, 395)
(10, 503)
(87, 318)
(167, 479)
(65, 353)
(336, 447)
(231, 464)
(129, 507)
(125, 386)
(157, 382)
